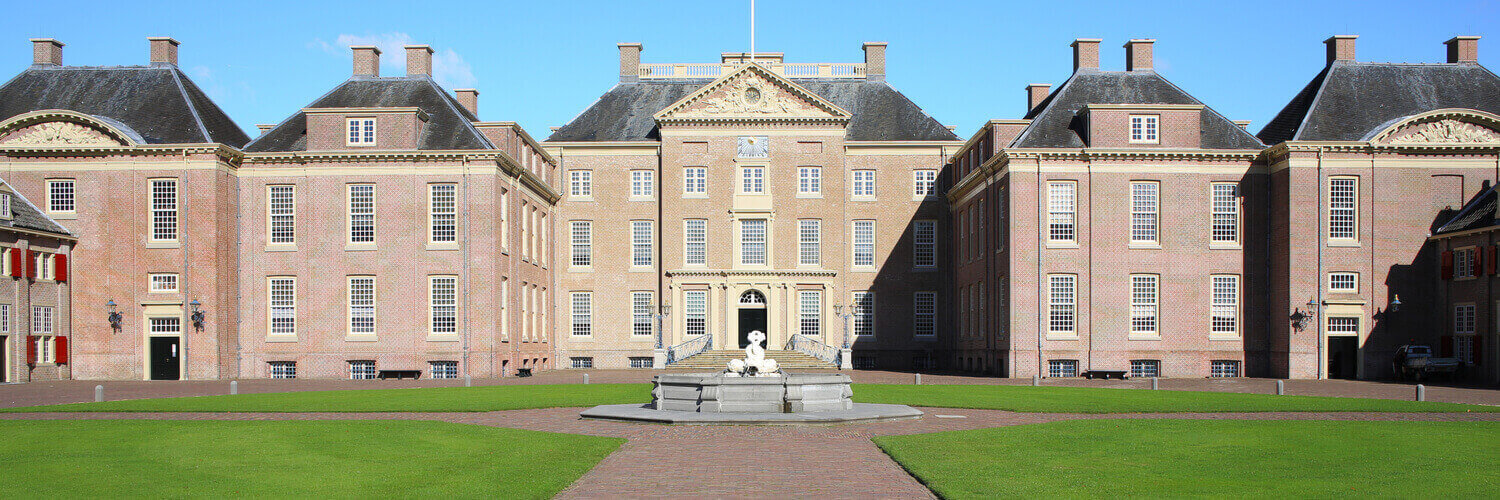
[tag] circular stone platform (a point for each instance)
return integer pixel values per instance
(861, 412)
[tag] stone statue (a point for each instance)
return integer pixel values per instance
(755, 363)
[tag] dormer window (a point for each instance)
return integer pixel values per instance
(1143, 129)
(361, 131)
(5, 206)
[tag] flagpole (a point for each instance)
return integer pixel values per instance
(752, 31)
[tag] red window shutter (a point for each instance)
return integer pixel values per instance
(1477, 349)
(60, 265)
(1445, 346)
(16, 270)
(1489, 259)
(62, 350)
(30, 350)
(1448, 264)
(30, 264)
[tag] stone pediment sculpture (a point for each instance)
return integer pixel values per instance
(59, 133)
(1445, 131)
(752, 93)
(755, 364)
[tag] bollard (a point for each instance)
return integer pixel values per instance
(1280, 387)
(585, 378)
(98, 394)
(919, 379)
(1036, 380)
(1155, 383)
(234, 387)
(468, 382)
(1421, 392)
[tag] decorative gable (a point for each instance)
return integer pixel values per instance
(59, 128)
(1443, 127)
(752, 93)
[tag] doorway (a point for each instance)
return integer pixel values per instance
(4, 358)
(166, 360)
(752, 317)
(1343, 357)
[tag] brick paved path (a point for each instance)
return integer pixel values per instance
(836, 461)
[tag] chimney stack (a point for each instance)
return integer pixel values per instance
(46, 52)
(1138, 54)
(1463, 50)
(418, 60)
(1035, 94)
(469, 98)
(163, 50)
(630, 62)
(1340, 48)
(1085, 53)
(264, 127)
(366, 60)
(875, 61)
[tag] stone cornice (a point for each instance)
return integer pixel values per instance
(507, 164)
(525, 136)
(769, 273)
(228, 153)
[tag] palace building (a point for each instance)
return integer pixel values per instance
(1120, 225)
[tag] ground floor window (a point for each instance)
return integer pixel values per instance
(1062, 368)
(443, 369)
(362, 370)
(923, 363)
(283, 369)
(641, 362)
(864, 362)
(1463, 348)
(1145, 368)
(45, 351)
(583, 362)
(1224, 369)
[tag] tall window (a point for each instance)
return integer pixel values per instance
(924, 183)
(1143, 303)
(753, 241)
(925, 306)
(696, 312)
(809, 180)
(1061, 210)
(924, 237)
(361, 213)
(864, 243)
(581, 183)
(640, 243)
(41, 320)
(863, 185)
(583, 314)
(1463, 319)
(283, 306)
(753, 180)
(642, 183)
(361, 132)
(443, 212)
(1464, 262)
(443, 298)
(1342, 204)
(810, 312)
(583, 243)
(1226, 212)
(695, 241)
(1144, 198)
(283, 214)
(695, 180)
(1225, 308)
(641, 305)
(1060, 296)
(4, 318)
(1143, 129)
(5, 212)
(362, 305)
(163, 209)
(864, 313)
(809, 242)
(60, 196)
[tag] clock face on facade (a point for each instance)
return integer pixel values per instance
(754, 146)
(752, 95)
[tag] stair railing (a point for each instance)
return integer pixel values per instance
(690, 348)
(812, 347)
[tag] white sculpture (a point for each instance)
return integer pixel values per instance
(755, 363)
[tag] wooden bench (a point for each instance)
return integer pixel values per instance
(523, 372)
(399, 374)
(1104, 374)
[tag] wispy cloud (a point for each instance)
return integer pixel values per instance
(448, 68)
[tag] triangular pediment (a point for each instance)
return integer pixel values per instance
(752, 93)
(1442, 128)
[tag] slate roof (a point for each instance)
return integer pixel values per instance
(1351, 101)
(158, 103)
(1478, 213)
(449, 126)
(1055, 122)
(880, 112)
(27, 216)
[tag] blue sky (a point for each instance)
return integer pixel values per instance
(541, 63)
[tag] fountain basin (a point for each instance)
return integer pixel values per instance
(711, 398)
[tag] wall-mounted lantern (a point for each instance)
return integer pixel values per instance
(1300, 319)
(197, 315)
(114, 315)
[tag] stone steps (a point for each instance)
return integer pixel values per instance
(716, 360)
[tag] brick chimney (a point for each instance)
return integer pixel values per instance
(1463, 50)
(1340, 48)
(630, 62)
(1085, 53)
(264, 127)
(1035, 94)
(366, 60)
(875, 60)
(163, 50)
(469, 98)
(46, 52)
(1138, 54)
(418, 60)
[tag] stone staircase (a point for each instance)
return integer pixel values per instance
(716, 360)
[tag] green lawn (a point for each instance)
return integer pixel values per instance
(1097, 400)
(437, 399)
(329, 459)
(1207, 458)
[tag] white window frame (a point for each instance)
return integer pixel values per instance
(442, 305)
(642, 247)
(1224, 213)
(282, 369)
(1224, 306)
(360, 131)
(1343, 209)
(5, 212)
(810, 242)
(1145, 213)
(1145, 308)
(62, 196)
(442, 213)
(863, 313)
(695, 182)
(281, 306)
(924, 184)
(1062, 368)
(362, 305)
(1145, 129)
(281, 214)
(862, 184)
(442, 369)
(642, 307)
(1464, 319)
(755, 242)
(362, 369)
(695, 314)
(1342, 325)
(581, 238)
(753, 179)
(164, 210)
(1343, 282)
(695, 242)
(924, 319)
(642, 185)
(1464, 262)
(924, 243)
(582, 314)
(862, 251)
(1062, 212)
(1062, 304)
(163, 283)
(581, 185)
(1145, 368)
(360, 200)
(1224, 368)
(810, 312)
(809, 182)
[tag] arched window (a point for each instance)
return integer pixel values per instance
(752, 298)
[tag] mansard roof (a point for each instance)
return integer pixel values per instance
(1350, 101)
(449, 127)
(880, 112)
(158, 102)
(1055, 123)
(24, 215)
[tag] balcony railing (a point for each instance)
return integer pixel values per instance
(715, 70)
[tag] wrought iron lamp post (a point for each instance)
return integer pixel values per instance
(838, 309)
(661, 323)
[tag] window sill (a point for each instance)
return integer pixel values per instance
(694, 196)
(862, 198)
(442, 246)
(862, 269)
(810, 196)
(1218, 337)
(1062, 336)
(281, 338)
(442, 337)
(1225, 246)
(924, 338)
(1061, 245)
(359, 247)
(924, 198)
(642, 269)
(642, 338)
(580, 198)
(924, 269)
(281, 248)
(1143, 336)
(163, 244)
(642, 198)
(63, 215)
(1144, 246)
(1465, 278)
(359, 337)
(1344, 243)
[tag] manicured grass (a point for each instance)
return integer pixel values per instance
(437, 399)
(1206, 458)
(299, 459)
(1097, 400)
